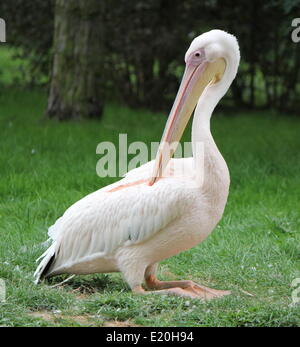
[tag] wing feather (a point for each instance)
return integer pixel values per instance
(103, 221)
(109, 218)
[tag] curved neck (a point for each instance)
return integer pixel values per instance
(212, 94)
(201, 135)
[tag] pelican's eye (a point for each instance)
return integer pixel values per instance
(196, 57)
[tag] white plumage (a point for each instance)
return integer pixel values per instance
(130, 226)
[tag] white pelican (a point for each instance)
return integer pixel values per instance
(133, 224)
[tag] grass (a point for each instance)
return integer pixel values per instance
(47, 166)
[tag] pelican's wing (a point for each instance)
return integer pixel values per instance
(101, 222)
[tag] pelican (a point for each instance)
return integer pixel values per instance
(133, 224)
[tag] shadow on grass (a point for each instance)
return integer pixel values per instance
(89, 284)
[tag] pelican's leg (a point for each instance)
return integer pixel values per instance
(187, 293)
(181, 288)
(134, 276)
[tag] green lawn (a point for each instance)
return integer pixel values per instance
(47, 166)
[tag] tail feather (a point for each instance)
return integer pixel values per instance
(47, 258)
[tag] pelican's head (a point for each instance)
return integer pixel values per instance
(211, 46)
(211, 60)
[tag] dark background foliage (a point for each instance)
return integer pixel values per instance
(144, 44)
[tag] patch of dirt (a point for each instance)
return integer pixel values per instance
(49, 317)
(116, 323)
(54, 318)
(83, 320)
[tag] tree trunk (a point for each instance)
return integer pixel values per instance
(76, 89)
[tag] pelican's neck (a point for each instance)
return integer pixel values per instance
(204, 109)
(210, 167)
(211, 96)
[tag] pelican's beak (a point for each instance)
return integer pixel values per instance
(195, 79)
